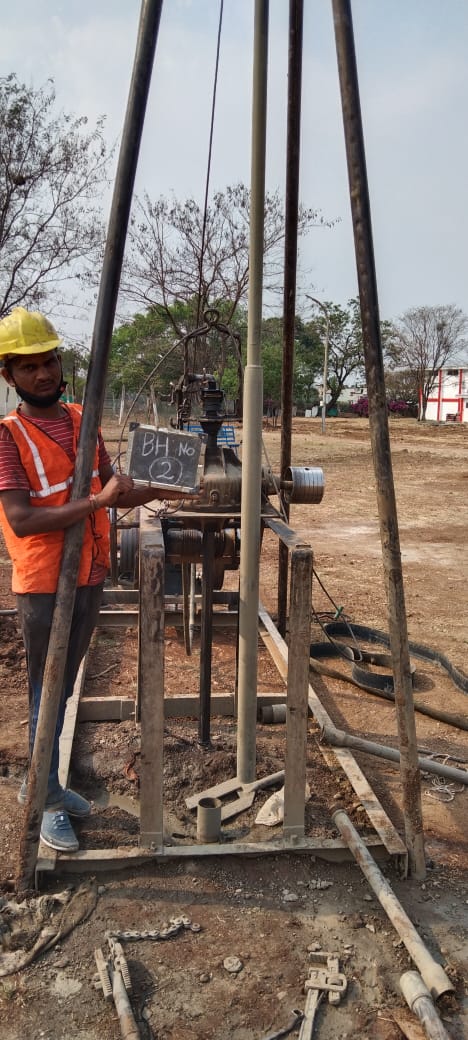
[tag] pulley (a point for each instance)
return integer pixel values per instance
(303, 484)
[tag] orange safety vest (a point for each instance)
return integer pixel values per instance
(36, 558)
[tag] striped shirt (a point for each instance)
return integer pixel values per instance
(13, 475)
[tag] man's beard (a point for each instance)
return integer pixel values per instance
(43, 401)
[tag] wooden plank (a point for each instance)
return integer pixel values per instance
(151, 679)
(379, 819)
(92, 860)
(285, 534)
(106, 709)
(121, 709)
(119, 595)
(118, 618)
(69, 723)
(219, 619)
(296, 701)
(367, 798)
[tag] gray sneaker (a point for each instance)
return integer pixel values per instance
(57, 832)
(71, 802)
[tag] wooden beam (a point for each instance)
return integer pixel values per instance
(296, 701)
(151, 679)
(92, 860)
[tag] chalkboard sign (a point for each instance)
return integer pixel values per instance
(165, 458)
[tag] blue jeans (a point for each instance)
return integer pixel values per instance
(35, 612)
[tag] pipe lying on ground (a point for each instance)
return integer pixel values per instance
(338, 738)
(433, 973)
(419, 1001)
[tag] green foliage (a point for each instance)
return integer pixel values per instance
(135, 351)
(137, 344)
(148, 340)
(345, 345)
(307, 360)
(75, 362)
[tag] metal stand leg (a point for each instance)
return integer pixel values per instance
(206, 634)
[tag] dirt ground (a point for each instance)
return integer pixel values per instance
(270, 911)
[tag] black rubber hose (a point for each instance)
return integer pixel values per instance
(375, 683)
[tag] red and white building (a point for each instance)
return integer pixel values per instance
(448, 401)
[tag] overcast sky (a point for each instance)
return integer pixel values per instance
(413, 77)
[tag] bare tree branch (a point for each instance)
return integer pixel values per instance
(52, 171)
(424, 340)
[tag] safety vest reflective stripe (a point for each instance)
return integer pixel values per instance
(46, 492)
(35, 454)
(46, 488)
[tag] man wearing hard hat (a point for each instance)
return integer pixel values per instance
(37, 457)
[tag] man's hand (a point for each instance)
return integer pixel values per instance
(118, 484)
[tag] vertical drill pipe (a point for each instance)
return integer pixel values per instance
(380, 437)
(253, 408)
(186, 572)
(95, 388)
(206, 638)
(293, 145)
(433, 973)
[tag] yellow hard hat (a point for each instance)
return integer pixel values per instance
(26, 332)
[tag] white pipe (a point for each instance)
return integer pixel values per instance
(253, 408)
(419, 1001)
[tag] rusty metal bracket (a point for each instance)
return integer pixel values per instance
(245, 793)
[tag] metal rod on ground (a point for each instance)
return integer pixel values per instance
(419, 1001)
(293, 146)
(338, 738)
(95, 388)
(253, 408)
(433, 973)
(128, 1027)
(379, 431)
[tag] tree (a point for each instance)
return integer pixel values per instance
(401, 384)
(137, 345)
(423, 341)
(308, 363)
(51, 172)
(145, 339)
(345, 345)
(139, 342)
(175, 256)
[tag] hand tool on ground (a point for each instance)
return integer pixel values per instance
(326, 979)
(115, 982)
(245, 793)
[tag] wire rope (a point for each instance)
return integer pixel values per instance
(208, 170)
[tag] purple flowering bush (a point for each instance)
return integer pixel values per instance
(396, 407)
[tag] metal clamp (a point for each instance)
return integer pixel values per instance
(320, 978)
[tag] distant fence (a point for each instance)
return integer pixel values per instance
(144, 408)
